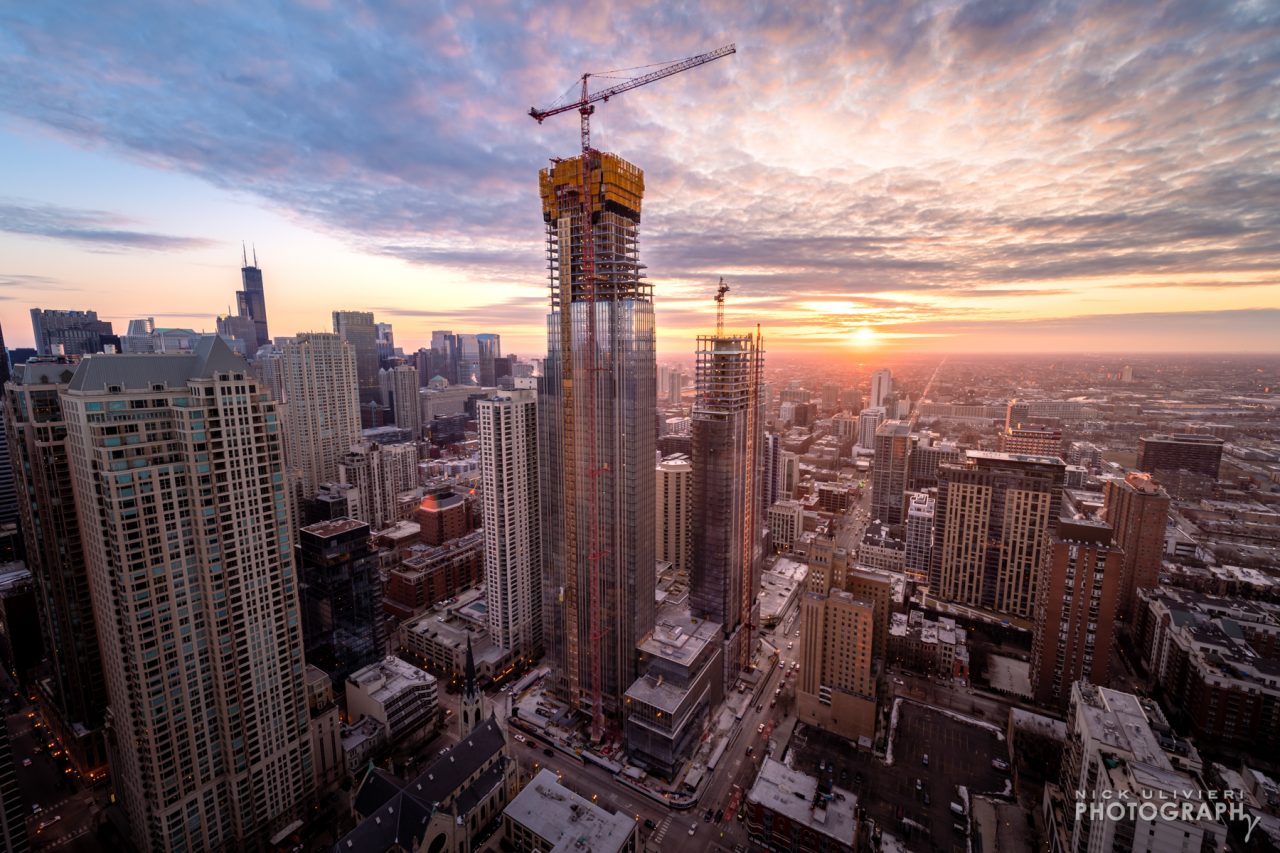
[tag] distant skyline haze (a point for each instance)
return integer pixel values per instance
(983, 176)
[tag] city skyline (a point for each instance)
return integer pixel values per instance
(971, 178)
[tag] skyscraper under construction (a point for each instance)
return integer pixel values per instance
(727, 419)
(596, 412)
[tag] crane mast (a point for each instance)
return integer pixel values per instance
(589, 362)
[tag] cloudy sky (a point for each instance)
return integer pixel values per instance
(994, 175)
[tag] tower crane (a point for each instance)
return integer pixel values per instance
(590, 361)
(720, 292)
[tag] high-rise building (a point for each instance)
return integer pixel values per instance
(994, 513)
(1138, 511)
(836, 690)
(400, 386)
(341, 597)
(489, 348)
(851, 401)
(830, 398)
(251, 303)
(13, 809)
(674, 491)
(597, 423)
(386, 340)
(177, 466)
(890, 470)
(1127, 781)
(918, 554)
(321, 415)
(927, 453)
(785, 520)
(675, 387)
(1199, 454)
(1076, 604)
(358, 329)
(788, 474)
(508, 424)
(444, 358)
(770, 461)
(869, 420)
(881, 388)
(76, 695)
(69, 332)
(724, 572)
(1031, 439)
(385, 476)
(1017, 414)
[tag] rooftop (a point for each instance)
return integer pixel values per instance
(390, 677)
(794, 794)
(567, 821)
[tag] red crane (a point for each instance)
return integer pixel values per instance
(589, 361)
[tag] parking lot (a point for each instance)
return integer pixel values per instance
(959, 753)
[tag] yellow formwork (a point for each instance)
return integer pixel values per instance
(615, 180)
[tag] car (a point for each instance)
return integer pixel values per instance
(649, 824)
(789, 645)
(898, 681)
(549, 752)
(760, 729)
(742, 814)
(26, 762)
(924, 759)
(750, 749)
(36, 808)
(999, 764)
(719, 815)
(694, 828)
(519, 737)
(926, 798)
(760, 707)
(919, 784)
(773, 703)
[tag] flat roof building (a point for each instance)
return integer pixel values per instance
(547, 817)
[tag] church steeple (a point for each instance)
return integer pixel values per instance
(470, 705)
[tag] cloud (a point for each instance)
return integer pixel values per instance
(93, 228)
(957, 150)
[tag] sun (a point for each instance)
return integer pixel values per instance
(864, 336)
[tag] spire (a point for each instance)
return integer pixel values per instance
(244, 255)
(255, 256)
(470, 671)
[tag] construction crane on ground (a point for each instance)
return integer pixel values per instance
(590, 361)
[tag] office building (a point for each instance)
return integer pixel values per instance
(889, 471)
(69, 332)
(1017, 414)
(402, 698)
(358, 329)
(596, 443)
(668, 708)
(881, 388)
(177, 464)
(1137, 509)
(770, 463)
(724, 574)
(1075, 611)
(869, 421)
(1199, 454)
(993, 515)
(321, 418)
(830, 399)
(401, 395)
(1032, 440)
(785, 522)
(489, 348)
(386, 340)
(788, 474)
(508, 425)
(1136, 778)
(386, 479)
(341, 597)
(251, 303)
(74, 696)
(836, 690)
(673, 530)
(547, 816)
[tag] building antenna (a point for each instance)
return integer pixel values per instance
(244, 257)
(255, 256)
